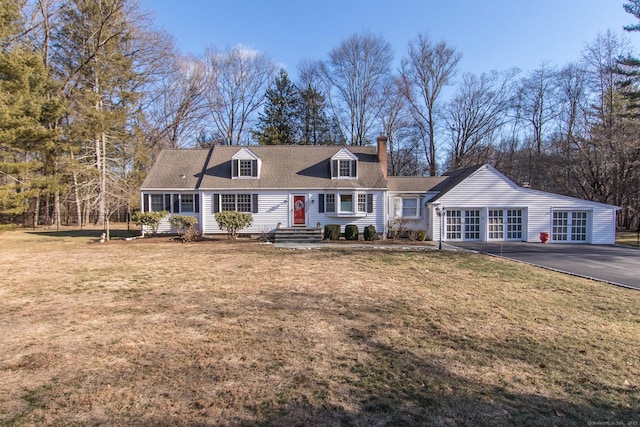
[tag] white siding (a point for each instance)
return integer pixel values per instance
(276, 207)
(376, 218)
(272, 209)
(166, 228)
(421, 223)
(489, 189)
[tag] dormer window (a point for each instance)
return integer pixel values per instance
(345, 168)
(247, 167)
(344, 165)
(244, 164)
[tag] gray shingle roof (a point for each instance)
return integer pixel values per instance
(170, 167)
(408, 184)
(291, 167)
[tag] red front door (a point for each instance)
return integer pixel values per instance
(299, 215)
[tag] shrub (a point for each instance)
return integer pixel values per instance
(418, 234)
(370, 233)
(184, 225)
(351, 232)
(397, 228)
(8, 227)
(191, 235)
(332, 232)
(233, 222)
(149, 219)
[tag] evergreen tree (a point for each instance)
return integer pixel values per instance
(24, 108)
(277, 124)
(629, 66)
(315, 127)
(104, 55)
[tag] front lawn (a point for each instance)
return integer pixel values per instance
(156, 332)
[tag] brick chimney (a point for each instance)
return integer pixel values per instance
(382, 154)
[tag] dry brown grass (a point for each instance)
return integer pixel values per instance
(155, 332)
(629, 238)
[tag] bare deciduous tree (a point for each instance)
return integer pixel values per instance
(426, 70)
(357, 70)
(475, 113)
(398, 127)
(105, 53)
(237, 80)
(178, 105)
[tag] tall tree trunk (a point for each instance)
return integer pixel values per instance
(97, 146)
(103, 212)
(432, 145)
(36, 211)
(47, 209)
(76, 193)
(56, 208)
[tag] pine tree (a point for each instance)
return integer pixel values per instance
(24, 108)
(100, 54)
(629, 66)
(278, 124)
(315, 127)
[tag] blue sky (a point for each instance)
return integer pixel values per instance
(490, 34)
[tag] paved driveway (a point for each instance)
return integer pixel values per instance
(617, 265)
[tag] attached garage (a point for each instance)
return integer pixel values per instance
(481, 204)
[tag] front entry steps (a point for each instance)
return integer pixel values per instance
(298, 235)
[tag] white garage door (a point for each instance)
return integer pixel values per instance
(570, 226)
(501, 224)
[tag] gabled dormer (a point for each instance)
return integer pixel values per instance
(344, 165)
(245, 165)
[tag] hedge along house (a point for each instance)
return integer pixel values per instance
(312, 186)
(281, 186)
(481, 204)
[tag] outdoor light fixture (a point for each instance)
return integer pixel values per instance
(440, 212)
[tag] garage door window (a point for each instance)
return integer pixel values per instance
(579, 226)
(569, 226)
(514, 224)
(472, 225)
(454, 224)
(496, 224)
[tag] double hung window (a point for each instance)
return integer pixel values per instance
(352, 203)
(175, 203)
(242, 202)
(406, 207)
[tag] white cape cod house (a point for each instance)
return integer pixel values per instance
(311, 186)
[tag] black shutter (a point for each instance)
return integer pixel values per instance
(254, 203)
(254, 168)
(145, 202)
(369, 203)
(354, 168)
(321, 203)
(234, 167)
(334, 169)
(216, 203)
(167, 202)
(196, 203)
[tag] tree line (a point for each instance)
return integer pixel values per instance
(91, 91)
